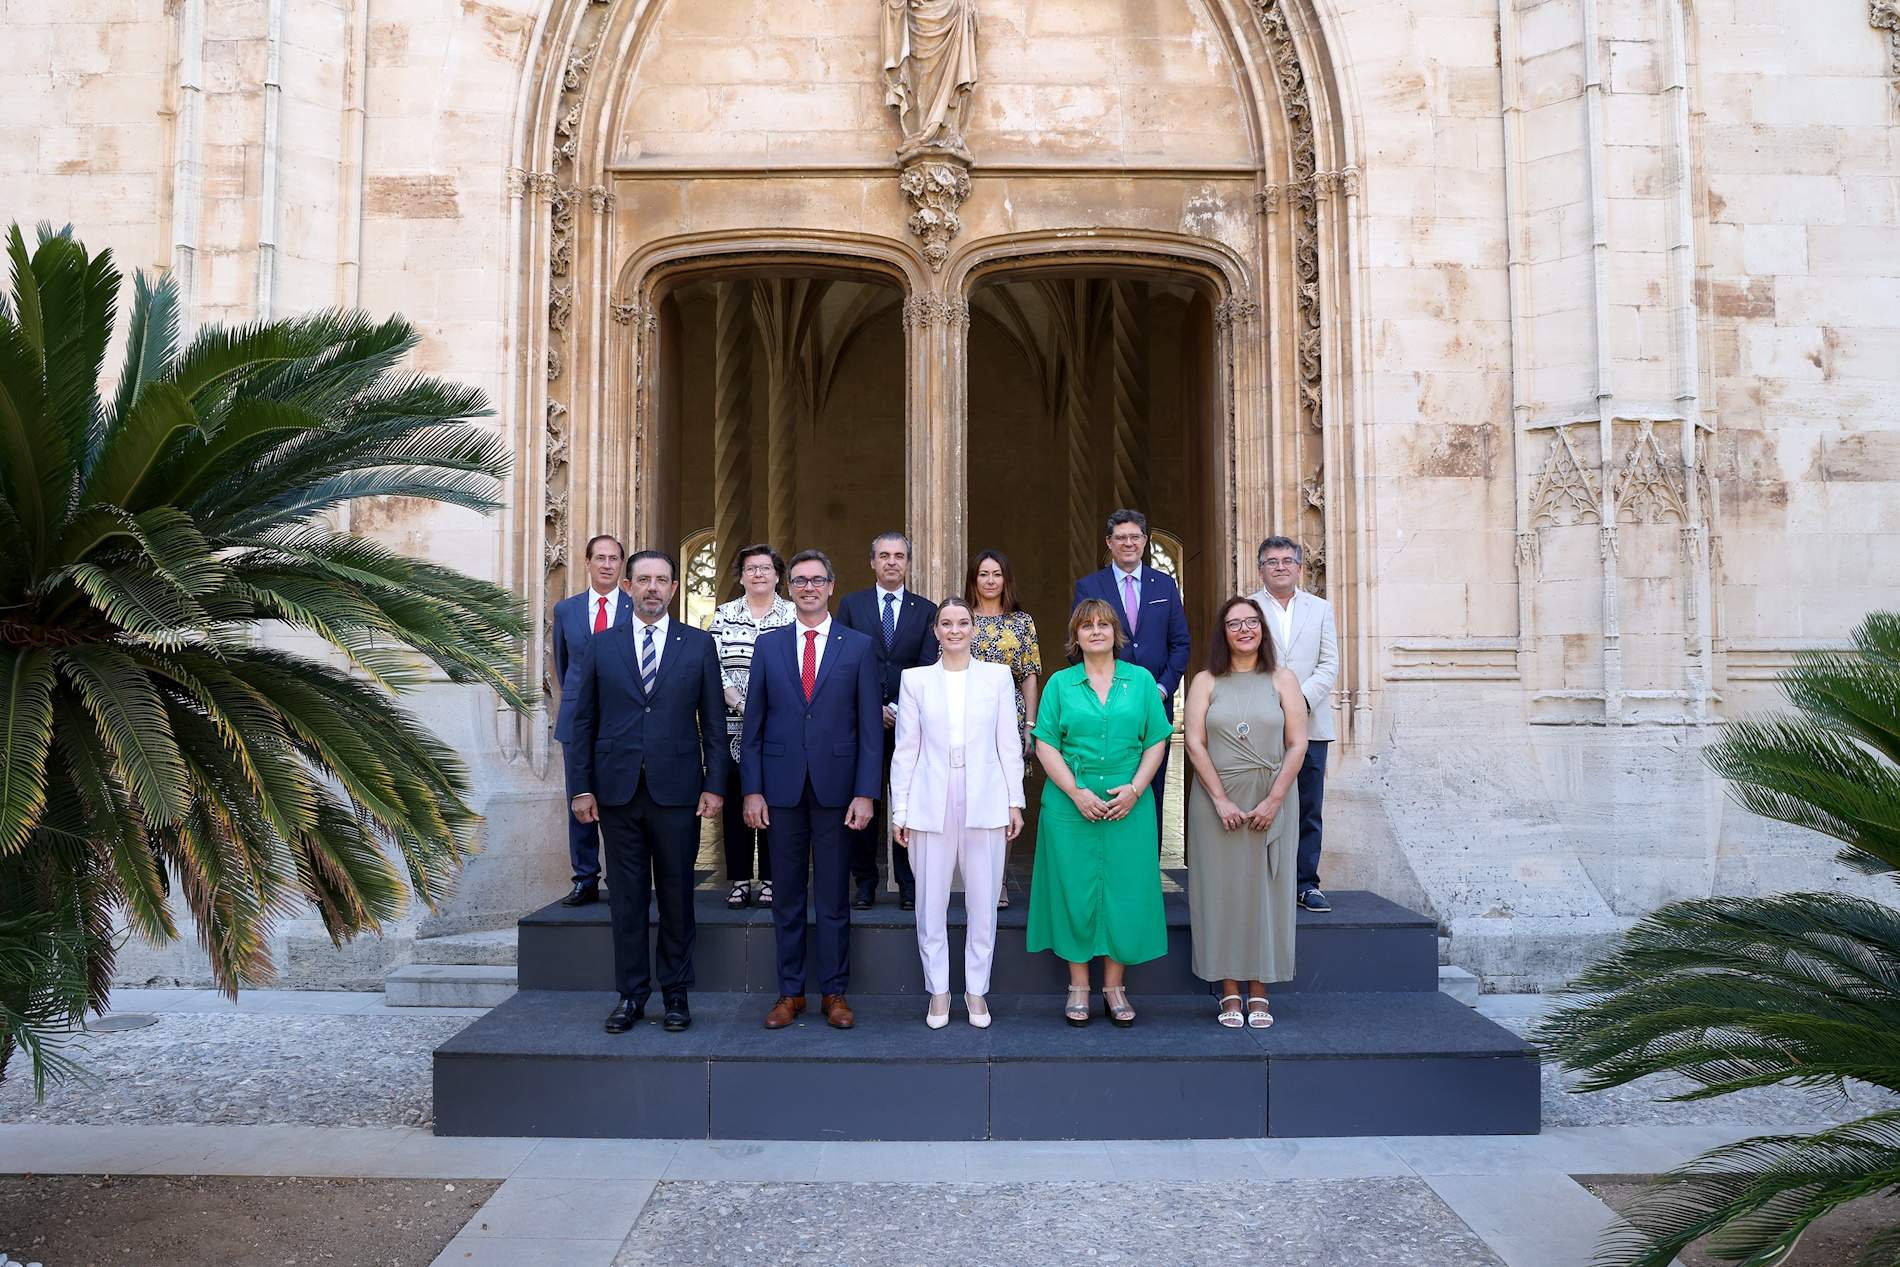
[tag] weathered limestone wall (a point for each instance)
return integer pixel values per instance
(1622, 320)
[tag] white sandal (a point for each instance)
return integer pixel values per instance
(1230, 1016)
(1258, 1017)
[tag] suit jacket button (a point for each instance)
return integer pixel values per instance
(649, 708)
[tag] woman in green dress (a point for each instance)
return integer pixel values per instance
(1096, 890)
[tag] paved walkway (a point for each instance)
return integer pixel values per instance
(184, 1084)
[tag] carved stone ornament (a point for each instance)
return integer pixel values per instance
(1236, 310)
(560, 308)
(1648, 488)
(1885, 15)
(929, 63)
(1268, 199)
(1565, 492)
(936, 187)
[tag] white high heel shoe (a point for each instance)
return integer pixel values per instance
(979, 1009)
(938, 1014)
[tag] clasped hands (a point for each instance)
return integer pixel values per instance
(587, 810)
(1260, 817)
(1120, 801)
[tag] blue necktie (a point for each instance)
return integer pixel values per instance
(890, 620)
(648, 665)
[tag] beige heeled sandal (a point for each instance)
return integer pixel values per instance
(1076, 1010)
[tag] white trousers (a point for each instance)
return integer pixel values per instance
(934, 858)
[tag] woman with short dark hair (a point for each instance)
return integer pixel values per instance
(735, 627)
(1246, 738)
(1100, 733)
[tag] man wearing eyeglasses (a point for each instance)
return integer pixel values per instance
(1307, 642)
(811, 759)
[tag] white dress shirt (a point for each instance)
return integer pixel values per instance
(799, 629)
(613, 596)
(1282, 614)
(956, 685)
(659, 628)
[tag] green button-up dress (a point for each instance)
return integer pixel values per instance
(1097, 886)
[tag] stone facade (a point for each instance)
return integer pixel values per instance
(1565, 331)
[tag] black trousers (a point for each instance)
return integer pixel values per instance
(1311, 781)
(867, 843)
(738, 840)
(802, 836)
(650, 847)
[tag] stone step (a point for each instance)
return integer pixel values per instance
(449, 985)
(1459, 984)
(497, 947)
(1333, 1064)
(1444, 950)
(1365, 943)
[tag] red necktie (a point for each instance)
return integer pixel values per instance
(600, 617)
(809, 675)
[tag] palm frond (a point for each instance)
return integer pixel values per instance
(151, 341)
(26, 729)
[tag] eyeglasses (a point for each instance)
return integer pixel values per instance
(1244, 623)
(809, 582)
(763, 569)
(1280, 563)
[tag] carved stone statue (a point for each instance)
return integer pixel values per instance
(929, 69)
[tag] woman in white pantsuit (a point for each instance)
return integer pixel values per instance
(956, 802)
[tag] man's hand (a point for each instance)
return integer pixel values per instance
(584, 808)
(757, 817)
(1015, 827)
(858, 813)
(710, 803)
(890, 716)
(901, 835)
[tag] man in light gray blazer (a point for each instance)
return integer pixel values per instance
(1306, 641)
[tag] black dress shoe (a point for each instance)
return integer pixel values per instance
(862, 899)
(907, 901)
(621, 1019)
(583, 892)
(678, 1015)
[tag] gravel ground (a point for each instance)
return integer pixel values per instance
(83, 1221)
(242, 1068)
(1366, 1222)
(1642, 1103)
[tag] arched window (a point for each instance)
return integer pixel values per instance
(1165, 553)
(699, 594)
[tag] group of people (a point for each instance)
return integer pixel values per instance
(818, 737)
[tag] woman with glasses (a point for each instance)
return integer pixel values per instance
(1005, 635)
(735, 627)
(1246, 737)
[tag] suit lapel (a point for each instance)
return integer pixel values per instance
(1112, 582)
(912, 612)
(1299, 611)
(621, 639)
(834, 644)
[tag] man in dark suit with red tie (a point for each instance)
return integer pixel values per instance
(902, 628)
(603, 605)
(810, 760)
(1149, 604)
(649, 744)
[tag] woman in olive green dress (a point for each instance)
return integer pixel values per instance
(1100, 732)
(1246, 736)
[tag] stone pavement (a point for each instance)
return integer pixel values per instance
(195, 1089)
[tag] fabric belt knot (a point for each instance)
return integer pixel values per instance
(957, 757)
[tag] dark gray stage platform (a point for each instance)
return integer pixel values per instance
(1363, 1045)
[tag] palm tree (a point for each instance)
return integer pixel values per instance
(1801, 988)
(153, 741)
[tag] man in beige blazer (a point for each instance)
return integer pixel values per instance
(1306, 641)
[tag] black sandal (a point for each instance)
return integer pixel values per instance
(740, 897)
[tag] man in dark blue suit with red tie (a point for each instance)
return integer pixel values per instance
(1149, 603)
(811, 755)
(603, 605)
(649, 744)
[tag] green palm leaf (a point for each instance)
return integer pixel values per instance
(158, 750)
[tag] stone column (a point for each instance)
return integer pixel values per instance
(786, 311)
(936, 492)
(732, 418)
(1128, 397)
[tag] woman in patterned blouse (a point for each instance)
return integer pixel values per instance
(1005, 635)
(735, 626)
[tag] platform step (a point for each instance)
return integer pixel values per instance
(448, 985)
(496, 948)
(1365, 944)
(1460, 984)
(1334, 1064)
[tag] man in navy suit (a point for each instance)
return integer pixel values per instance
(603, 605)
(902, 628)
(649, 741)
(810, 754)
(1149, 604)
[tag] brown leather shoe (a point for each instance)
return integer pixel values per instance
(785, 1011)
(837, 1012)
